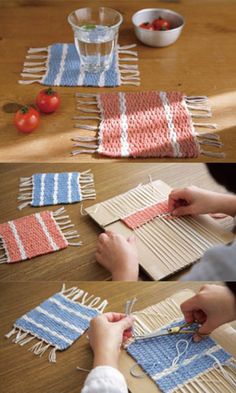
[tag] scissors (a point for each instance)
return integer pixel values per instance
(182, 329)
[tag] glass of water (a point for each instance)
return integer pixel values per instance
(96, 35)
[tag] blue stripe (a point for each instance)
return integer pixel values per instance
(65, 315)
(49, 189)
(53, 325)
(75, 194)
(72, 66)
(76, 306)
(111, 76)
(36, 189)
(46, 336)
(54, 64)
(62, 188)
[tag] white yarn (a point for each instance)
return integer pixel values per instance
(179, 354)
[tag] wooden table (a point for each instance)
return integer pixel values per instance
(201, 62)
(23, 372)
(110, 180)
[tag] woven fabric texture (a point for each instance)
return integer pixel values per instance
(156, 355)
(29, 236)
(61, 66)
(57, 321)
(146, 124)
(142, 217)
(56, 188)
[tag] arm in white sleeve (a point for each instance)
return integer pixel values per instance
(105, 379)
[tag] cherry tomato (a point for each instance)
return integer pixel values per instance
(147, 26)
(161, 24)
(26, 119)
(48, 100)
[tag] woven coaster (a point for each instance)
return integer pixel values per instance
(59, 65)
(166, 362)
(44, 189)
(37, 234)
(57, 322)
(145, 124)
(175, 363)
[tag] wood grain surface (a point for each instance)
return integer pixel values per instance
(201, 62)
(23, 372)
(110, 180)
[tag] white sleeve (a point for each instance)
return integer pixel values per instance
(105, 379)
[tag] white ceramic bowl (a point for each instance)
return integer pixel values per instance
(157, 38)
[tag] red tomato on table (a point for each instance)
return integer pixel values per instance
(147, 26)
(161, 24)
(48, 100)
(26, 119)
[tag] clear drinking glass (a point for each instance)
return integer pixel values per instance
(95, 34)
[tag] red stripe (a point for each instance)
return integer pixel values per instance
(141, 217)
(183, 125)
(10, 243)
(32, 236)
(52, 228)
(148, 134)
(111, 134)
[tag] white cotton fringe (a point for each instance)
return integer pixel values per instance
(80, 296)
(89, 109)
(39, 348)
(4, 257)
(63, 223)
(129, 73)
(35, 71)
(25, 192)
(26, 188)
(198, 107)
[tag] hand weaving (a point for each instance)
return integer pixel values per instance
(166, 244)
(196, 365)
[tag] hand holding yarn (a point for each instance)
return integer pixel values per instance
(106, 334)
(212, 307)
(194, 200)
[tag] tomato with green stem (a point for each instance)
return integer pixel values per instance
(27, 119)
(161, 24)
(48, 100)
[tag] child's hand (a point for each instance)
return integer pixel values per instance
(118, 255)
(193, 201)
(106, 334)
(213, 306)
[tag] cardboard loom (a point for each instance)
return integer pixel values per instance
(168, 253)
(224, 335)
